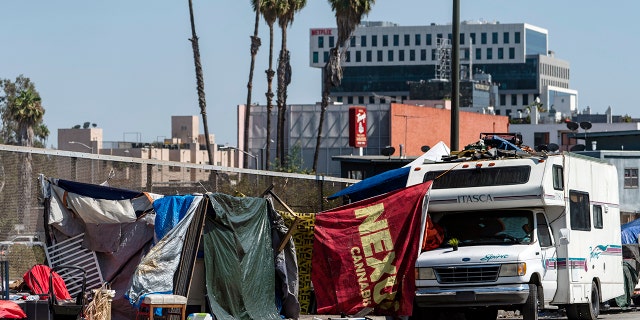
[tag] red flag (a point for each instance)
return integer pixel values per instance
(364, 253)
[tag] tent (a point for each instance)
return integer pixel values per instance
(143, 243)
(390, 180)
(630, 232)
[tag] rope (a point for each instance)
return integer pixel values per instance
(99, 308)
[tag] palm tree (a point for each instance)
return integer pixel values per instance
(200, 83)
(348, 14)
(255, 45)
(286, 10)
(268, 10)
(27, 112)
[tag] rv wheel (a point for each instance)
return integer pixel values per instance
(530, 308)
(586, 311)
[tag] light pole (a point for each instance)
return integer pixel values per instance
(88, 147)
(255, 158)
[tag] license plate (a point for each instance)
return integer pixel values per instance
(465, 296)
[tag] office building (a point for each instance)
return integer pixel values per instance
(383, 58)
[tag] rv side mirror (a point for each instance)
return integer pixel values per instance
(564, 236)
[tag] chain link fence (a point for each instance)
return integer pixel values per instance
(22, 170)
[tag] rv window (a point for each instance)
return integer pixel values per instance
(478, 177)
(579, 210)
(597, 217)
(558, 178)
(488, 227)
(543, 231)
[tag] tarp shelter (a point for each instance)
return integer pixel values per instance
(148, 243)
(390, 180)
(630, 232)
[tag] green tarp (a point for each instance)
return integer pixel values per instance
(239, 259)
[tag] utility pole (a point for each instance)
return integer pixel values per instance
(455, 77)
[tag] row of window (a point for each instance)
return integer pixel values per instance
(514, 99)
(370, 99)
(485, 38)
(554, 71)
(414, 55)
(580, 213)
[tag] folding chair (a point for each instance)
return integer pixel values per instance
(75, 280)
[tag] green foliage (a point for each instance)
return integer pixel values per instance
(22, 113)
(293, 162)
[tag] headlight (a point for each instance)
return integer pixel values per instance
(513, 269)
(425, 274)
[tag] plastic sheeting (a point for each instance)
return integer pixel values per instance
(239, 259)
(155, 272)
(630, 232)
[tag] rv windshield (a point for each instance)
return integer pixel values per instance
(488, 227)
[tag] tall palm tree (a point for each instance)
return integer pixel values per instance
(200, 83)
(348, 14)
(27, 112)
(286, 10)
(255, 45)
(268, 10)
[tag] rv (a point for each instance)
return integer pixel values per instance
(529, 233)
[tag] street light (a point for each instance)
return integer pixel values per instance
(88, 147)
(226, 148)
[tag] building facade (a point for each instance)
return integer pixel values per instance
(381, 58)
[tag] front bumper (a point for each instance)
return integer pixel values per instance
(472, 296)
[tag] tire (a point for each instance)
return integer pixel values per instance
(488, 313)
(586, 311)
(530, 307)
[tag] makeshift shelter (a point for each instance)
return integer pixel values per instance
(144, 243)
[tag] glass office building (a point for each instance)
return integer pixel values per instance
(382, 59)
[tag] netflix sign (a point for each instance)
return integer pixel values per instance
(358, 127)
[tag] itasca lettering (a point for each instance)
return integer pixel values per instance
(475, 198)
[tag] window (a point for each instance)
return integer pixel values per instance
(396, 40)
(315, 57)
(412, 55)
(358, 56)
(505, 38)
(558, 177)
(478, 53)
(400, 55)
(417, 40)
(352, 41)
(473, 38)
(348, 56)
(390, 55)
(332, 41)
(429, 41)
(374, 41)
(369, 55)
(361, 100)
(512, 53)
(350, 100)
(525, 100)
(579, 210)
(372, 99)
(514, 100)
(500, 53)
(630, 178)
(320, 42)
(489, 53)
(407, 40)
(438, 36)
(379, 55)
(483, 38)
(543, 230)
(467, 178)
(517, 37)
(494, 38)
(325, 56)
(423, 54)
(462, 38)
(385, 40)
(597, 216)
(503, 99)
(433, 54)
(363, 41)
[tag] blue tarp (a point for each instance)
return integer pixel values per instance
(630, 231)
(373, 186)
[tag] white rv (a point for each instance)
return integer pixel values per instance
(535, 232)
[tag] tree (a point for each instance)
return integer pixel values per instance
(286, 10)
(22, 115)
(255, 45)
(269, 12)
(348, 14)
(200, 82)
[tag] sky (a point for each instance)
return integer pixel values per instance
(127, 66)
